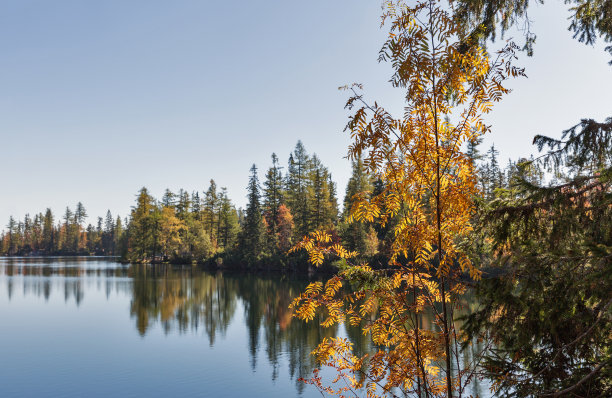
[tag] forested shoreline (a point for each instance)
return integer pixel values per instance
(205, 227)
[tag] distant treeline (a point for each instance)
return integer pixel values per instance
(188, 227)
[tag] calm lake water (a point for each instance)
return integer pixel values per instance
(91, 327)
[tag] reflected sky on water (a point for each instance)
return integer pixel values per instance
(93, 327)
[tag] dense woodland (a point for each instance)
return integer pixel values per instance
(206, 227)
(196, 227)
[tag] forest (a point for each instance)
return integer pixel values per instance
(428, 218)
(206, 228)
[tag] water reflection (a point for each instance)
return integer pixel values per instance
(186, 299)
(183, 301)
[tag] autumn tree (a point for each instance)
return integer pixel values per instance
(428, 186)
(354, 234)
(170, 229)
(284, 221)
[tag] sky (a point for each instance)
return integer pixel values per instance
(98, 99)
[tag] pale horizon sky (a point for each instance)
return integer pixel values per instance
(98, 99)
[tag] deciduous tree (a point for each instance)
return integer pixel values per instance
(428, 186)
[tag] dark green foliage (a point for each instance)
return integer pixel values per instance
(483, 18)
(253, 233)
(228, 222)
(550, 313)
(273, 194)
(297, 188)
(143, 226)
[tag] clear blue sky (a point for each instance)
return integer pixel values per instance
(100, 98)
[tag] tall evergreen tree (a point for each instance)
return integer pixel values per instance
(228, 221)
(322, 203)
(142, 227)
(252, 237)
(297, 188)
(196, 205)
(169, 198)
(273, 194)
(210, 206)
(12, 236)
(48, 232)
(183, 205)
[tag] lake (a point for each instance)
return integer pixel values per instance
(91, 327)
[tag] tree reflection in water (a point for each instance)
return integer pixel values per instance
(185, 299)
(188, 300)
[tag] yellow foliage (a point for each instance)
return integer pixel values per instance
(429, 185)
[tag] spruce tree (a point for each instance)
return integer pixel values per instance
(228, 221)
(142, 227)
(48, 232)
(273, 194)
(297, 188)
(252, 238)
(211, 204)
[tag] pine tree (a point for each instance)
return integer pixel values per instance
(252, 237)
(273, 194)
(48, 232)
(211, 206)
(169, 198)
(196, 206)
(228, 221)
(297, 189)
(183, 205)
(12, 237)
(493, 177)
(321, 204)
(142, 228)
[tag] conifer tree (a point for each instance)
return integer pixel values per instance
(196, 205)
(183, 205)
(48, 233)
(297, 188)
(169, 198)
(143, 227)
(12, 244)
(252, 237)
(273, 194)
(322, 202)
(211, 207)
(549, 311)
(228, 221)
